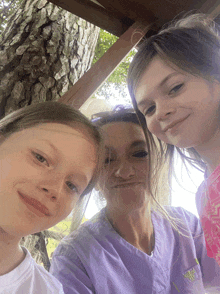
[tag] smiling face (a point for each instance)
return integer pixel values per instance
(124, 180)
(180, 109)
(43, 172)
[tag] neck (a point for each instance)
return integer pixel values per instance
(135, 226)
(11, 254)
(210, 152)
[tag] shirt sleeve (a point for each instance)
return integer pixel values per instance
(68, 269)
(209, 267)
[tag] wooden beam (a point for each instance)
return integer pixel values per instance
(211, 7)
(115, 23)
(132, 9)
(100, 71)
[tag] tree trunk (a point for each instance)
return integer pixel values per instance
(44, 50)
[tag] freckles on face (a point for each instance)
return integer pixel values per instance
(51, 165)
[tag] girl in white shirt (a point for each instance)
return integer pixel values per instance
(48, 162)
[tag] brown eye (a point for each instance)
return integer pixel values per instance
(175, 89)
(140, 154)
(150, 110)
(108, 160)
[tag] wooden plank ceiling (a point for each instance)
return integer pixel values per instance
(116, 16)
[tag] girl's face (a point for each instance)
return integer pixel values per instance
(43, 172)
(180, 109)
(124, 180)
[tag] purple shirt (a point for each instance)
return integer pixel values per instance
(96, 259)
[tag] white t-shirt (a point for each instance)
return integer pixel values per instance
(29, 278)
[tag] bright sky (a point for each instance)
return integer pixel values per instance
(182, 193)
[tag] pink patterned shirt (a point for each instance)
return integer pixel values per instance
(208, 205)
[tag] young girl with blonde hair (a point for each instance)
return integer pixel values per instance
(48, 162)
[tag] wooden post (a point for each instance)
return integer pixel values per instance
(211, 7)
(100, 71)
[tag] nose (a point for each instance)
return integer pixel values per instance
(164, 109)
(124, 170)
(52, 195)
(52, 188)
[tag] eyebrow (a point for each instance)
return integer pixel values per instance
(51, 146)
(143, 100)
(139, 143)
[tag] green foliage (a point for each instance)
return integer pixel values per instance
(118, 77)
(63, 228)
(105, 41)
(7, 8)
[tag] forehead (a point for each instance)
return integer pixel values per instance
(53, 131)
(154, 74)
(67, 140)
(122, 134)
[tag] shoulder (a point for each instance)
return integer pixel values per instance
(180, 212)
(46, 281)
(85, 234)
(29, 277)
(200, 197)
(185, 220)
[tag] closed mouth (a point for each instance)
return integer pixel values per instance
(173, 124)
(126, 185)
(35, 204)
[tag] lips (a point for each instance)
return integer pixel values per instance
(34, 205)
(124, 185)
(173, 124)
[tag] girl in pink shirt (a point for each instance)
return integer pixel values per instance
(174, 82)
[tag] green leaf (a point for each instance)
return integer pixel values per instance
(118, 78)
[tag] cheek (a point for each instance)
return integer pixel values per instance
(153, 126)
(65, 206)
(142, 169)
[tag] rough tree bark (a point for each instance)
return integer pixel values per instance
(44, 50)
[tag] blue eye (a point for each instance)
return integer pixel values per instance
(175, 89)
(40, 158)
(71, 186)
(141, 154)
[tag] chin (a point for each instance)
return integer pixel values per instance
(183, 143)
(134, 201)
